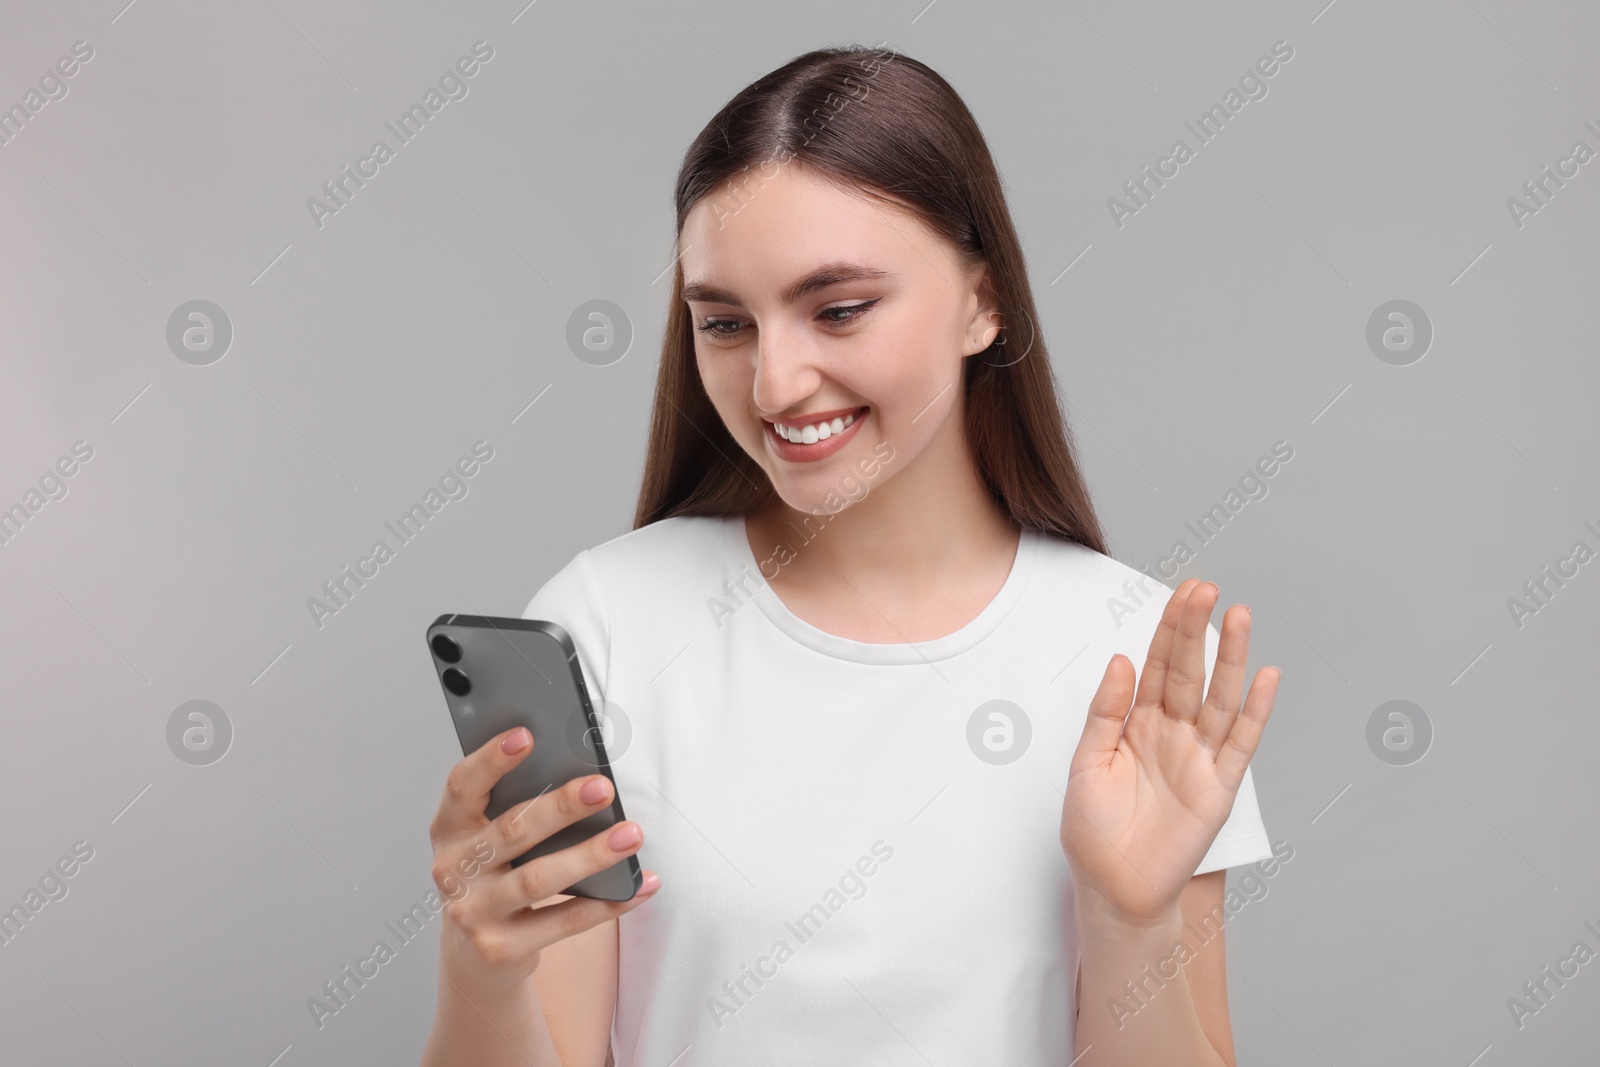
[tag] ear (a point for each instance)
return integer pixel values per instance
(986, 320)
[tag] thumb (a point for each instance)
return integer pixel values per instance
(1102, 728)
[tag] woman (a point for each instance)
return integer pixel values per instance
(853, 630)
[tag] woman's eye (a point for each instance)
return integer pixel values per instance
(711, 326)
(834, 316)
(851, 312)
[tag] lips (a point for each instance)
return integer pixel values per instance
(794, 452)
(820, 416)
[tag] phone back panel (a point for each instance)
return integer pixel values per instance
(525, 672)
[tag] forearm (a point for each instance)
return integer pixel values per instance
(1154, 1021)
(507, 1030)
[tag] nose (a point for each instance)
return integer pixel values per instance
(786, 373)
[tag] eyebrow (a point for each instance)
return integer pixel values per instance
(824, 276)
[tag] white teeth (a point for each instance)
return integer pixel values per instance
(820, 431)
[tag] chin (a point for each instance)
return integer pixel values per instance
(821, 506)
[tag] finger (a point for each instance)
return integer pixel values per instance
(536, 929)
(466, 788)
(1246, 733)
(1153, 679)
(1186, 667)
(518, 829)
(577, 914)
(1227, 678)
(545, 876)
(1102, 728)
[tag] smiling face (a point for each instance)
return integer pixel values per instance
(810, 303)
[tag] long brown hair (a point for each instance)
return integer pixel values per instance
(885, 126)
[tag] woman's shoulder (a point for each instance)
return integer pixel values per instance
(1086, 575)
(669, 540)
(644, 573)
(661, 555)
(1077, 562)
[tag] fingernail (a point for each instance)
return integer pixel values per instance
(649, 884)
(515, 741)
(593, 791)
(624, 837)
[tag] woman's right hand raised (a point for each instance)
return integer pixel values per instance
(492, 934)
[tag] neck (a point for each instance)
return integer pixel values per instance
(932, 520)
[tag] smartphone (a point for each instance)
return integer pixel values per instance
(500, 673)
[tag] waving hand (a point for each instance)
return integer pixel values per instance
(1150, 787)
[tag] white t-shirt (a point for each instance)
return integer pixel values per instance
(858, 843)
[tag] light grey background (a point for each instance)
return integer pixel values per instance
(370, 353)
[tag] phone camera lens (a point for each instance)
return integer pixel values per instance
(446, 649)
(456, 682)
